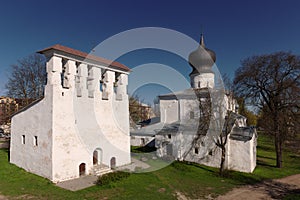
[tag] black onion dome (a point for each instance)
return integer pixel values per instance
(202, 59)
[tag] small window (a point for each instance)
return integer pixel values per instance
(169, 136)
(101, 86)
(196, 150)
(23, 139)
(35, 141)
(210, 153)
(192, 115)
(115, 88)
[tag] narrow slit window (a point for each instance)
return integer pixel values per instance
(196, 150)
(35, 141)
(101, 86)
(23, 139)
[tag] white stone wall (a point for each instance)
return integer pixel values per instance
(35, 121)
(73, 120)
(169, 111)
(186, 107)
(203, 80)
(140, 140)
(231, 103)
(241, 156)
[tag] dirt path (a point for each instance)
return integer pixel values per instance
(272, 189)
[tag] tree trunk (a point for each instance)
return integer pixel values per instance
(222, 167)
(278, 148)
(278, 142)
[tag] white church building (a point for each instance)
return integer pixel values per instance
(179, 112)
(81, 126)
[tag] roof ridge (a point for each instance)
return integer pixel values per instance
(85, 55)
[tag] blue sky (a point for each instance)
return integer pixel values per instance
(233, 29)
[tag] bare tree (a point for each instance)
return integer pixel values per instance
(243, 110)
(203, 108)
(214, 125)
(271, 82)
(137, 110)
(27, 78)
(227, 82)
(222, 121)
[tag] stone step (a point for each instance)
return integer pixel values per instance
(100, 173)
(100, 166)
(101, 169)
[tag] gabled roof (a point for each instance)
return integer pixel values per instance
(84, 55)
(185, 94)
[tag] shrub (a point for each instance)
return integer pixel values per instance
(106, 179)
(180, 166)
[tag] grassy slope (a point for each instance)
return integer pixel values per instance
(191, 179)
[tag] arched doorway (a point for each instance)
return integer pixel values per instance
(97, 156)
(82, 169)
(113, 163)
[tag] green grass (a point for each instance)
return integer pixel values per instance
(193, 180)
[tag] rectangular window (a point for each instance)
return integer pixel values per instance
(23, 139)
(35, 141)
(196, 151)
(169, 136)
(192, 115)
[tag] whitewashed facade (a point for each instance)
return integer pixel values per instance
(179, 113)
(82, 123)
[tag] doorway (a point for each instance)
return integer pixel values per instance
(113, 163)
(170, 150)
(82, 169)
(97, 156)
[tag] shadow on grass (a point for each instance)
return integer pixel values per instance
(199, 166)
(262, 163)
(242, 178)
(267, 157)
(265, 148)
(144, 149)
(238, 177)
(295, 156)
(8, 154)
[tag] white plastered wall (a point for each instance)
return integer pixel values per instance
(72, 121)
(35, 121)
(203, 80)
(169, 111)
